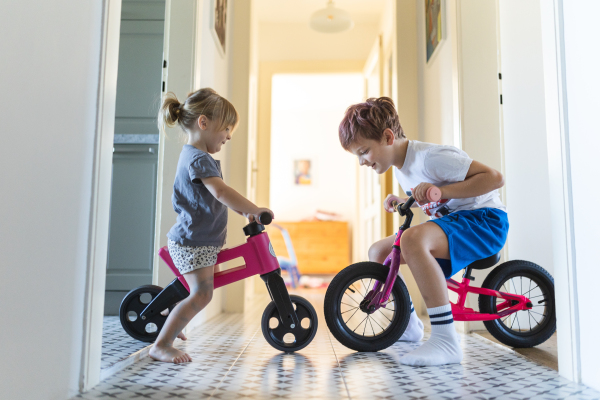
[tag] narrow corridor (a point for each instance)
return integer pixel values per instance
(232, 360)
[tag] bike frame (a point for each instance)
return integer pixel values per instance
(259, 258)
(512, 303)
(257, 253)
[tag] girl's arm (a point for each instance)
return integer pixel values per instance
(480, 180)
(232, 199)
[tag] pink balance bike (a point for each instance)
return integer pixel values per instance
(289, 323)
(367, 308)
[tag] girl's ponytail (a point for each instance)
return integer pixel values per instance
(205, 102)
(169, 112)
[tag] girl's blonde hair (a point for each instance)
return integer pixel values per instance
(205, 102)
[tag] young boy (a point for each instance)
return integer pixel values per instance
(469, 221)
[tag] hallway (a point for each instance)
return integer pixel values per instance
(232, 360)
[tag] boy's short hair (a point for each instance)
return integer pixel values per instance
(368, 120)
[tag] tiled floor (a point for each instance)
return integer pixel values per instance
(232, 360)
(116, 343)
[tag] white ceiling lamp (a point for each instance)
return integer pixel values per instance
(331, 20)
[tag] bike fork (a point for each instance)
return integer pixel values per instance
(171, 295)
(279, 294)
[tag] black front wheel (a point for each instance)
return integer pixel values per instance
(526, 328)
(351, 322)
(290, 338)
(129, 313)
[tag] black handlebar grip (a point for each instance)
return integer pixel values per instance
(265, 218)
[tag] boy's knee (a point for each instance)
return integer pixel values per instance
(378, 252)
(373, 252)
(411, 241)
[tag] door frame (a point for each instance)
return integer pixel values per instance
(93, 307)
(558, 148)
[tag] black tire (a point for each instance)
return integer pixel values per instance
(134, 302)
(543, 311)
(302, 335)
(341, 328)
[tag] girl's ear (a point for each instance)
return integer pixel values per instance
(202, 122)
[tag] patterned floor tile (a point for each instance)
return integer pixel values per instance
(232, 360)
(117, 345)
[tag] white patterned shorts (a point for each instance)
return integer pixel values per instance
(190, 258)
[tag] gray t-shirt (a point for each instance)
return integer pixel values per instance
(201, 218)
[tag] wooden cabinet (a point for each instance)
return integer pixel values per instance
(322, 247)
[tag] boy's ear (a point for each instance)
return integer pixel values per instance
(389, 136)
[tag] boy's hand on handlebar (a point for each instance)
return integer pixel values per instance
(420, 193)
(387, 203)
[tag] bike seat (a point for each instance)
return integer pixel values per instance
(485, 262)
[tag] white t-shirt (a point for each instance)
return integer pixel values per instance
(441, 166)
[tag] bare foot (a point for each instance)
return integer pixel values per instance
(169, 354)
(182, 336)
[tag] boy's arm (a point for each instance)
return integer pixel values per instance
(231, 198)
(480, 179)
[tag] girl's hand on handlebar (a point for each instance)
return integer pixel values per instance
(387, 203)
(254, 216)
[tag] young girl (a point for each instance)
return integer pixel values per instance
(200, 198)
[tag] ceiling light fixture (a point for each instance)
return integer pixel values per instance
(331, 19)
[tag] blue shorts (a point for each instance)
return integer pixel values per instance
(472, 235)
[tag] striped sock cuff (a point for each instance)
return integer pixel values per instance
(440, 315)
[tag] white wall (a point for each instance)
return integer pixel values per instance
(306, 112)
(526, 159)
(293, 41)
(50, 76)
(581, 87)
(437, 79)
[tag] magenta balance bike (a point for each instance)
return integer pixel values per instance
(289, 323)
(367, 308)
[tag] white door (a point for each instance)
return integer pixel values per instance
(369, 187)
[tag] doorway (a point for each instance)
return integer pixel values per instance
(312, 179)
(130, 253)
(135, 150)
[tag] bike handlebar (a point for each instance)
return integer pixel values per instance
(433, 194)
(265, 218)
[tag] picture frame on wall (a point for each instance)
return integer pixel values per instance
(302, 172)
(218, 24)
(434, 26)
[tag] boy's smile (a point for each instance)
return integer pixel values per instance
(378, 155)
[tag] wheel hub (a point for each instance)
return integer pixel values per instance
(366, 307)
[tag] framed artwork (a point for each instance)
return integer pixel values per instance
(433, 25)
(302, 172)
(218, 23)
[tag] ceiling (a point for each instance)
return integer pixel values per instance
(299, 11)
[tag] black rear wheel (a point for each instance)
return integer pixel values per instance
(352, 324)
(129, 313)
(526, 328)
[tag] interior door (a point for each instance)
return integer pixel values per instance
(369, 185)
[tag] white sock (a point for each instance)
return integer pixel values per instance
(442, 347)
(414, 330)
